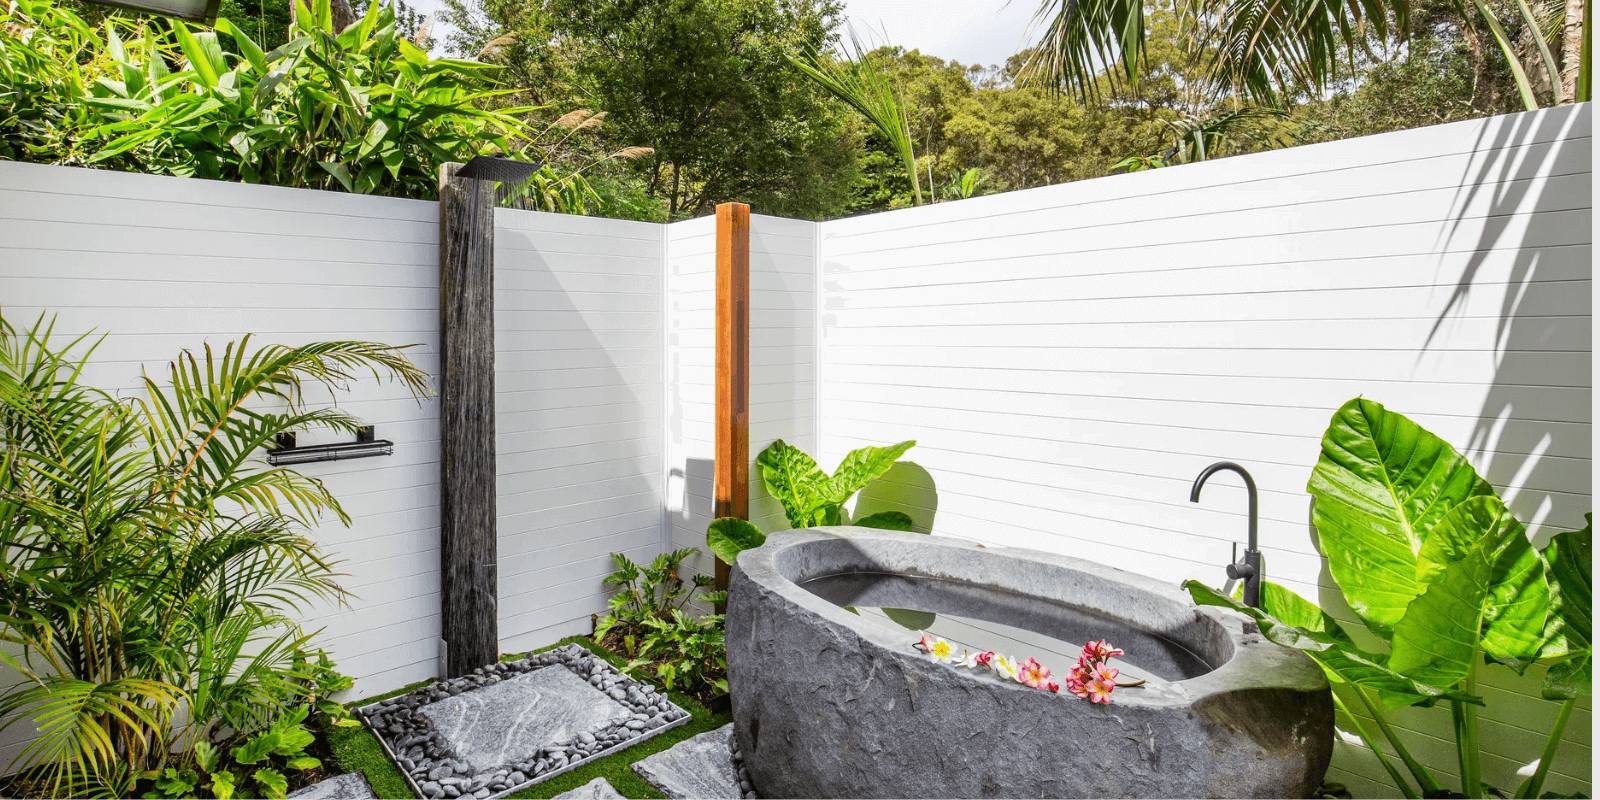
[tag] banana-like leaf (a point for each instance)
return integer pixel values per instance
(794, 479)
(1571, 558)
(729, 536)
(888, 521)
(860, 468)
(1380, 484)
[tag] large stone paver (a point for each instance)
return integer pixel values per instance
(349, 786)
(511, 720)
(700, 766)
(510, 724)
(597, 789)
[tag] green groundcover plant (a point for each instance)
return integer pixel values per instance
(153, 564)
(1437, 567)
(651, 623)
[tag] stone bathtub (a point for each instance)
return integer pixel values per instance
(828, 703)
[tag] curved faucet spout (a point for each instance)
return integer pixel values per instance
(1248, 570)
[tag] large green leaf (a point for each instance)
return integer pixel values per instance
(862, 467)
(1570, 559)
(1381, 483)
(888, 521)
(1438, 640)
(1321, 638)
(794, 479)
(729, 536)
(1519, 597)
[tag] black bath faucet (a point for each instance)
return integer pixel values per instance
(1248, 570)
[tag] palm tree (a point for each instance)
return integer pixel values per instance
(1267, 50)
(148, 554)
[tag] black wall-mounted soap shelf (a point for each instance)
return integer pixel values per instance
(366, 445)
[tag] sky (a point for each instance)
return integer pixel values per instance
(983, 32)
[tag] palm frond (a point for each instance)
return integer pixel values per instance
(859, 81)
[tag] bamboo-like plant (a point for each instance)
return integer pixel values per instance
(149, 552)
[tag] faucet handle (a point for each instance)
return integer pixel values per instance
(1241, 571)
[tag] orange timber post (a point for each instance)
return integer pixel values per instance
(730, 486)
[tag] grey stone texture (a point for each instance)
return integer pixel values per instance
(597, 789)
(831, 704)
(349, 786)
(700, 766)
(510, 721)
(516, 723)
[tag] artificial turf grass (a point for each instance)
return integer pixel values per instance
(357, 749)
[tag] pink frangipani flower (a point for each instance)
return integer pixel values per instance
(1033, 674)
(983, 659)
(1098, 691)
(1053, 687)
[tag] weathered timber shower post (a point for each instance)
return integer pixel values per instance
(467, 547)
(730, 486)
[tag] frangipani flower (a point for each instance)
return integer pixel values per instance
(1105, 674)
(1053, 687)
(1033, 674)
(1004, 667)
(983, 659)
(1095, 652)
(1099, 691)
(941, 650)
(926, 644)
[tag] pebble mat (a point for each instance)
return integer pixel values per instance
(440, 764)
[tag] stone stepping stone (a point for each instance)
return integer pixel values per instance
(349, 786)
(597, 789)
(510, 725)
(699, 766)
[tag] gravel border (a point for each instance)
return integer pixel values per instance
(434, 771)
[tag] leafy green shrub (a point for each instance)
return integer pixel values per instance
(649, 623)
(1438, 568)
(360, 110)
(151, 556)
(810, 497)
(41, 80)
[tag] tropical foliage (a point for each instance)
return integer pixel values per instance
(1438, 568)
(706, 84)
(649, 621)
(1271, 53)
(810, 497)
(151, 557)
(360, 109)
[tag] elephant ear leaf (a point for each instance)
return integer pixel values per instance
(729, 536)
(862, 467)
(1570, 559)
(793, 478)
(1289, 620)
(887, 520)
(1489, 597)
(1381, 483)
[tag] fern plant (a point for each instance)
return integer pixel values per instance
(150, 555)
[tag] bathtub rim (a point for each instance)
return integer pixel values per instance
(1255, 663)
